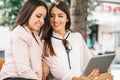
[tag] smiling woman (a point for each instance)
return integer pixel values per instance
(65, 51)
(24, 47)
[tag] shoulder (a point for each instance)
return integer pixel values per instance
(76, 34)
(19, 29)
(19, 33)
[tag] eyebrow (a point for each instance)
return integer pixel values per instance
(57, 13)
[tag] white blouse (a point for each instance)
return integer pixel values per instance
(79, 56)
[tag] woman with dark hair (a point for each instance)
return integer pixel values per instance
(65, 51)
(23, 54)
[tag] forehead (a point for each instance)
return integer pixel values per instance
(40, 9)
(56, 10)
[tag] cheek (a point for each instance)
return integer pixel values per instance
(31, 23)
(43, 21)
(65, 21)
(31, 20)
(51, 21)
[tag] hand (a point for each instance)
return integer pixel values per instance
(91, 76)
(45, 70)
(109, 70)
(94, 74)
(105, 76)
(78, 78)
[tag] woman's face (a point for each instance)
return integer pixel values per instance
(58, 20)
(37, 18)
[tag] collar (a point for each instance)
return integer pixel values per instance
(27, 29)
(59, 36)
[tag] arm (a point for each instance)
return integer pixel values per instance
(21, 55)
(45, 70)
(85, 53)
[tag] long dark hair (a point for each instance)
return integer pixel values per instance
(27, 10)
(47, 31)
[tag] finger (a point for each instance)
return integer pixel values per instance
(43, 74)
(46, 71)
(97, 72)
(43, 77)
(93, 74)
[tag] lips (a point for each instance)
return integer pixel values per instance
(56, 24)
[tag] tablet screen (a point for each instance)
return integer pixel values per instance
(102, 62)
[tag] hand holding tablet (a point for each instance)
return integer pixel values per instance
(101, 62)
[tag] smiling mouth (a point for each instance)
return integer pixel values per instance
(56, 24)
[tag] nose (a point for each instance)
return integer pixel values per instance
(55, 18)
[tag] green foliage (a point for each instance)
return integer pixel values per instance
(10, 9)
(49, 2)
(92, 4)
(46, 1)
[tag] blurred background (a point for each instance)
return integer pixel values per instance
(97, 20)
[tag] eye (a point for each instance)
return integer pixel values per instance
(51, 15)
(60, 16)
(38, 16)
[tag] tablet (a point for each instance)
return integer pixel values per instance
(102, 62)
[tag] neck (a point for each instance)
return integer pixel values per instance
(62, 33)
(31, 30)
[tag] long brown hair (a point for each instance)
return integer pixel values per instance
(27, 10)
(47, 31)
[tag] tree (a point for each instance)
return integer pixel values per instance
(10, 9)
(79, 16)
(80, 10)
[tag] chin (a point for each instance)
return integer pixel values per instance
(37, 28)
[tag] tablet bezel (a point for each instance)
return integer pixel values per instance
(102, 62)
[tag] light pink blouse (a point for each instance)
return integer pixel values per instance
(23, 55)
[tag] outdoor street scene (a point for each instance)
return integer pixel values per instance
(97, 20)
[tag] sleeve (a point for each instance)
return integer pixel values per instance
(22, 59)
(86, 53)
